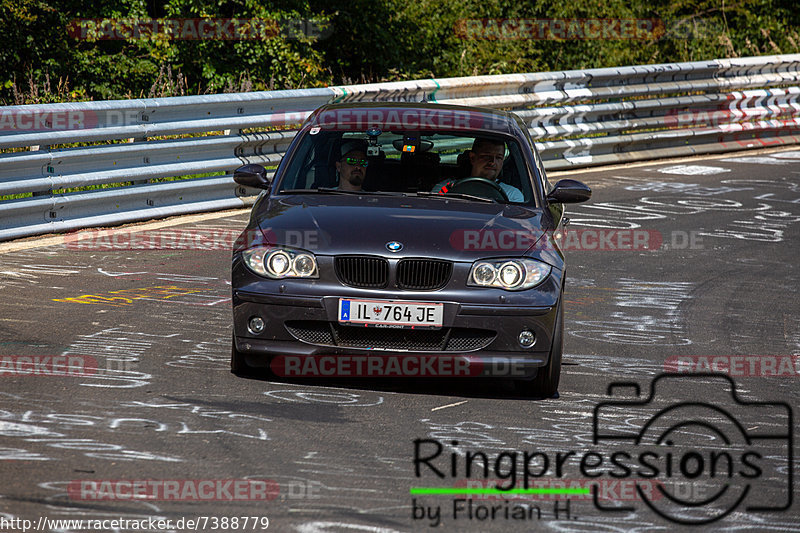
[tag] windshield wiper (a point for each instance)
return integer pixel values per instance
(458, 195)
(331, 190)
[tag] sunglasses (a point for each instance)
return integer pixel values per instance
(355, 161)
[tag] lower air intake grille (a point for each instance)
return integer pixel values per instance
(417, 340)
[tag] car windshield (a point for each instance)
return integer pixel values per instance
(410, 163)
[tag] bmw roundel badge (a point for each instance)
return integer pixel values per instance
(394, 246)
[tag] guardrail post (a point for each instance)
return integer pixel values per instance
(145, 159)
(49, 170)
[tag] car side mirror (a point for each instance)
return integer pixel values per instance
(569, 191)
(251, 175)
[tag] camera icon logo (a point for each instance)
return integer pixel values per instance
(708, 451)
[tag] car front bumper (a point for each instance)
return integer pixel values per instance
(301, 320)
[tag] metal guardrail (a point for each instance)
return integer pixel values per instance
(577, 118)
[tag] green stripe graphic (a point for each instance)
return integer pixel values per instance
(432, 97)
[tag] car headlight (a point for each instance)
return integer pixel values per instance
(509, 274)
(277, 263)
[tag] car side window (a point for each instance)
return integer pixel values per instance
(515, 171)
(310, 166)
(546, 187)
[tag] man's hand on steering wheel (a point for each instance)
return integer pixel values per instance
(476, 186)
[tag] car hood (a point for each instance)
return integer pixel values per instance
(456, 230)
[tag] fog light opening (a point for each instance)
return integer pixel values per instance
(526, 338)
(255, 325)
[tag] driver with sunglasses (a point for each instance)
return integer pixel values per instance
(486, 161)
(351, 168)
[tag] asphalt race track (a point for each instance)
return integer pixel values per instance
(154, 426)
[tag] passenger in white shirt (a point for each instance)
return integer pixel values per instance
(486, 159)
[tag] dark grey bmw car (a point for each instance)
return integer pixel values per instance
(404, 239)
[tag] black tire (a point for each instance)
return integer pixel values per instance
(545, 384)
(239, 364)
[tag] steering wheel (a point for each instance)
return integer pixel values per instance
(482, 187)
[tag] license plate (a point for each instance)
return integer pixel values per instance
(382, 313)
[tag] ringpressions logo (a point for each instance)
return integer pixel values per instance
(690, 450)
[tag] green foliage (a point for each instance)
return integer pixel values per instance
(365, 41)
